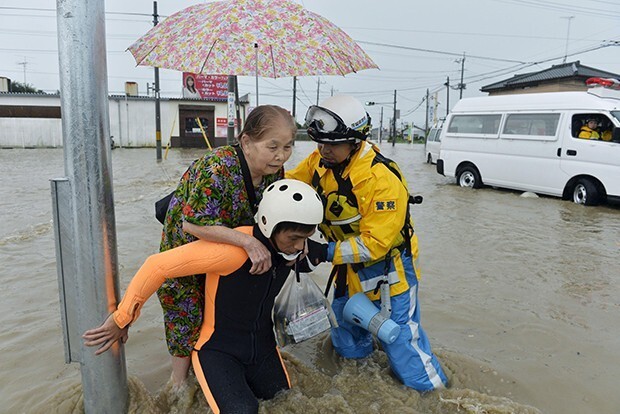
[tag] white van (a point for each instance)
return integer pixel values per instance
(431, 146)
(530, 142)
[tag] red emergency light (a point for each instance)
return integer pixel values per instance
(605, 82)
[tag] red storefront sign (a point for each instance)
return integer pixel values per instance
(221, 126)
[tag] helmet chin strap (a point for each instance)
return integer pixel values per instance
(287, 256)
(340, 165)
(290, 257)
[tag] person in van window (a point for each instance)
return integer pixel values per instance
(606, 135)
(589, 130)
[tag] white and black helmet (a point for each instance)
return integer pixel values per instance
(288, 201)
(338, 119)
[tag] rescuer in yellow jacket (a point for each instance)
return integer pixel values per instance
(370, 235)
(589, 130)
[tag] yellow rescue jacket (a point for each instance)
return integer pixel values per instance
(366, 209)
(588, 133)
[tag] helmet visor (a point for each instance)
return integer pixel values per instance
(324, 120)
(326, 126)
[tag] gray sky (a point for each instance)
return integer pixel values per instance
(499, 38)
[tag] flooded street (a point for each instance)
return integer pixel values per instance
(520, 298)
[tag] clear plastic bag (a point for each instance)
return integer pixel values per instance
(301, 311)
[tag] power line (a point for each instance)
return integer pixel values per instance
(559, 7)
(438, 52)
(54, 11)
(441, 32)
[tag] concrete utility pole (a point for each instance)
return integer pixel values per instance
(230, 136)
(447, 84)
(426, 123)
(83, 204)
(381, 125)
(294, 96)
(256, 69)
(24, 64)
(569, 18)
(461, 85)
(157, 103)
(394, 121)
(318, 89)
(237, 107)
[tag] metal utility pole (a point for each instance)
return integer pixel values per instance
(447, 84)
(157, 103)
(83, 204)
(569, 18)
(394, 121)
(294, 96)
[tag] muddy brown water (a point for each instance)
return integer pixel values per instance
(520, 297)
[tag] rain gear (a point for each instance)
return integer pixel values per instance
(370, 233)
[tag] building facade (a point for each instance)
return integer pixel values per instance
(32, 120)
(570, 76)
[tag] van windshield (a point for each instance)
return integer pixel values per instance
(616, 114)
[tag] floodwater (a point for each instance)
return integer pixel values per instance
(520, 297)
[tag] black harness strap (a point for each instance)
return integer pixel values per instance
(247, 178)
(340, 273)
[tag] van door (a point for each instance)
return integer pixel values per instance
(527, 146)
(431, 147)
(592, 157)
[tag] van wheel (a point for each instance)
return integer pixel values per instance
(586, 193)
(429, 159)
(469, 177)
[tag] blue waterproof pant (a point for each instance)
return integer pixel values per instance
(410, 355)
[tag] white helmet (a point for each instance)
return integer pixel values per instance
(291, 201)
(338, 119)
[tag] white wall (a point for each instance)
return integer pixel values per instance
(30, 132)
(132, 121)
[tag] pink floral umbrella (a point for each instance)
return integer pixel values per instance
(267, 38)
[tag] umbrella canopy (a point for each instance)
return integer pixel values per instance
(267, 38)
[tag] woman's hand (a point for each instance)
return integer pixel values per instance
(258, 254)
(105, 335)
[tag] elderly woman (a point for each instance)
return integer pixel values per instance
(217, 193)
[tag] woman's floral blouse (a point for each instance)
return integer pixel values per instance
(211, 192)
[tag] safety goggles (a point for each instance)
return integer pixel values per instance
(326, 126)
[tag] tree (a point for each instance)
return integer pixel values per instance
(24, 87)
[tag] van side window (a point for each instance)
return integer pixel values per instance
(532, 124)
(475, 124)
